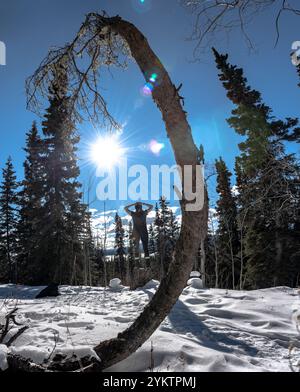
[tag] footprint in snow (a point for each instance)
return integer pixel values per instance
(119, 319)
(76, 324)
(196, 301)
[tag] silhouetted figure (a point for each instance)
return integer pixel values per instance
(140, 232)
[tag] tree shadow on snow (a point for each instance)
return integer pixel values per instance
(11, 291)
(184, 321)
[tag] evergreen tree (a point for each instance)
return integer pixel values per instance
(98, 277)
(30, 200)
(227, 231)
(202, 259)
(120, 245)
(173, 230)
(266, 175)
(156, 227)
(62, 214)
(84, 236)
(163, 241)
(211, 273)
(152, 242)
(8, 224)
(165, 214)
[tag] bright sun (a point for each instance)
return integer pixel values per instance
(107, 151)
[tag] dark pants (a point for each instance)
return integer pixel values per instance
(143, 236)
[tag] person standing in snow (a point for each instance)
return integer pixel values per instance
(140, 231)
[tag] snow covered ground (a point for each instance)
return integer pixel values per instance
(208, 329)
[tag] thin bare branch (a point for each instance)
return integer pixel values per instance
(214, 18)
(94, 43)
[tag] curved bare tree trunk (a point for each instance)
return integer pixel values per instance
(194, 223)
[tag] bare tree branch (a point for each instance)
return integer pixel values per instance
(94, 43)
(214, 18)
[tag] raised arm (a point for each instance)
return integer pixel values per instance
(127, 208)
(150, 207)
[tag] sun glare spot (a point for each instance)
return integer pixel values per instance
(107, 152)
(156, 147)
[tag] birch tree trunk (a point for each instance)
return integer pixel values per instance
(194, 223)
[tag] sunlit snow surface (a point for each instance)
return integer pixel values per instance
(207, 330)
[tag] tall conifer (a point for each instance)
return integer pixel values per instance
(8, 224)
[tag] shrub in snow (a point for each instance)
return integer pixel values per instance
(195, 283)
(195, 274)
(40, 355)
(35, 354)
(75, 353)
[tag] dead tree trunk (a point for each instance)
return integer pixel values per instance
(194, 223)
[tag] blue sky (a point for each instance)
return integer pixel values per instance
(30, 28)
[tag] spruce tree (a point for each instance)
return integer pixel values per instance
(265, 174)
(163, 240)
(162, 222)
(120, 245)
(173, 230)
(227, 231)
(8, 224)
(30, 200)
(63, 214)
(157, 224)
(152, 242)
(203, 257)
(82, 236)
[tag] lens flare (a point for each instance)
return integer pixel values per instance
(156, 147)
(149, 86)
(141, 6)
(106, 152)
(153, 78)
(147, 89)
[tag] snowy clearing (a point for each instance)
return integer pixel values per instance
(208, 329)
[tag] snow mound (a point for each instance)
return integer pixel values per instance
(195, 283)
(115, 285)
(195, 274)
